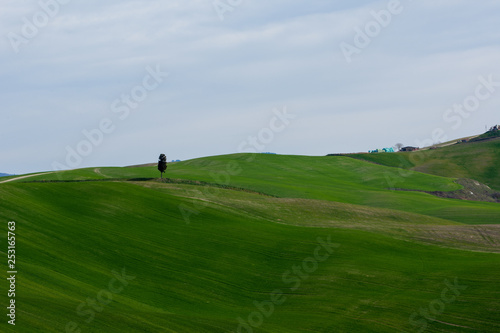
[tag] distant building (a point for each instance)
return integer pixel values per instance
(409, 148)
(383, 150)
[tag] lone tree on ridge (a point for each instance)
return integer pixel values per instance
(162, 164)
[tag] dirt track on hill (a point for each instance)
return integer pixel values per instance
(22, 177)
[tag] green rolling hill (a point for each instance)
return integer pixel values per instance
(475, 160)
(252, 243)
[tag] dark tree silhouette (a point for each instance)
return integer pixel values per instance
(162, 164)
(399, 146)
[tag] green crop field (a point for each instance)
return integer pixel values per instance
(253, 243)
(475, 160)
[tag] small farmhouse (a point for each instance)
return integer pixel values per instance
(409, 148)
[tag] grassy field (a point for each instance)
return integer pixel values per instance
(242, 243)
(339, 179)
(475, 160)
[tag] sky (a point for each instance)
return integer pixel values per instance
(115, 83)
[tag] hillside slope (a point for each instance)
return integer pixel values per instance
(236, 243)
(226, 266)
(474, 160)
(339, 179)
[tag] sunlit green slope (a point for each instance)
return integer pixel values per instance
(229, 265)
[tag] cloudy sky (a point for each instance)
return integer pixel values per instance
(84, 83)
